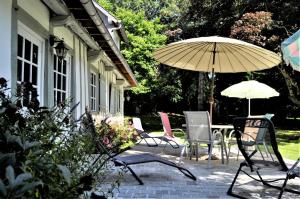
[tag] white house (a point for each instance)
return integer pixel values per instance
(93, 71)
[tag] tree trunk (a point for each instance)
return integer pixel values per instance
(201, 96)
(293, 88)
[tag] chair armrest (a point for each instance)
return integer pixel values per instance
(216, 133)
(178, 129)
(254, 139)
(231, 136)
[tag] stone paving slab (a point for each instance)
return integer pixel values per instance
(162, 181)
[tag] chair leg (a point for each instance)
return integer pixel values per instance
(257, 147)
(209, 154)
(197, 151)
(266, 148)
(283, 186)
(228, 154)
(134, 175)
(192, 150)
(223, 147)
(183, 150)
(229, 191)
(268, 152)
(187, 148)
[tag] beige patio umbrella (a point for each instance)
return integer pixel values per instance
(250, 90)
(217, 55)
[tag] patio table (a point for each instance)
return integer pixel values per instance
(223, 128)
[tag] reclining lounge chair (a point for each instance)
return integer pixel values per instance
(126, 161)
(169, 134)
(137, 124)
(254, 164)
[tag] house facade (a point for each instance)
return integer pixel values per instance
(92, 72)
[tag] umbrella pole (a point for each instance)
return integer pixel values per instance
(211, 99)
(249, 104)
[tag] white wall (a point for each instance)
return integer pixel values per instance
(36, 16)
(65, 34)
(37, 10)
(5, 40)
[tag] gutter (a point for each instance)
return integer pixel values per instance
(117, 23)
(65, 18)
(91, 10)
(72, 23)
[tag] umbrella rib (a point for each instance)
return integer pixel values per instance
(176, 48)
(207, 45)
(198, 55)
(260, 50)
(196, 47)
(167, 49)
(242, 48)
(188, 49)
(231, 51)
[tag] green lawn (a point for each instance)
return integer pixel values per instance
(288, 142)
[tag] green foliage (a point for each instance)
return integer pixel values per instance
(250, 26)
(16, 186)
(144, 22)
(265, 23)
(44, 153)
(143, 37)
(262, 29)
(116, 137)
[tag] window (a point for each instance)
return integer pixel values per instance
(60, 79)
(116, 102)
(93, 91)
(115, 99)
(29, 63)
(111, 98)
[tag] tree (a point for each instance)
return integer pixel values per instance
(261, 29)
(143, 21)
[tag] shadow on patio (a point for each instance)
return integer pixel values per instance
(162, 181)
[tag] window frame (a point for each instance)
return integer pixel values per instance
(67, 75)
(37, 40)
(93, 91)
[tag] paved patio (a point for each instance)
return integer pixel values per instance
(162, 181)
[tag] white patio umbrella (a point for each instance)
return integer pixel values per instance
(250, 90)
(217, 55)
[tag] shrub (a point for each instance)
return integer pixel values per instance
(43, 151)
(116, 137)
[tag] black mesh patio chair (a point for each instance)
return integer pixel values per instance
(255, 165)
(252, 137)
(126, 161)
